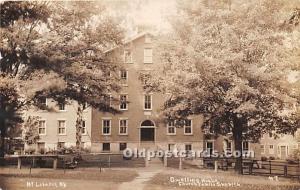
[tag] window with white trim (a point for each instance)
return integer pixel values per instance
(171, 129)
(106, 126)
(271, 149)
(148, 102)
(124, 76)
(61, 106)
(209, 147)
(245, 145)
(148, 55)
(123, 102)
(42, 127)
(262, 148)
(106, 147)
(229, 146)
(61, 127)
(123, 126)
(83, 128)
(122, 146)
(188, 147)
(171, 147)
(188, 127)
(43, 103)
(127, 56)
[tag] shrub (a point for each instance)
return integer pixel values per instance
(29, 150)
(263, 158)
(271, 158)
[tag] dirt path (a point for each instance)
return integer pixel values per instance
(140, 181)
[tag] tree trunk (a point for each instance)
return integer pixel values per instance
(238, 144)
(2, 137)
(79, 123)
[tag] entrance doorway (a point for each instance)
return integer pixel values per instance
(283, 152)
(147, 131)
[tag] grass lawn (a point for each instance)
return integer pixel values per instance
(86, 179)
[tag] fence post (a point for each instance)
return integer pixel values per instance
(19, 162)
(180, 163)
(285, 170)
(250, 168)
(165, 160)
(216, 165)
(298, 169)
(31, 166)
(100, 166)
(108, 161)
(55, 163)
(270, 166)
(64, 165)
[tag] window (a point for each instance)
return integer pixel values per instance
(106, 147)
(147, 102)
(270, 134)
(148, 55)
(271, 149)
(262, 149)
(188, 127)
(61, 106)
(171, 129)
(245, 146)
(106, 124)
(85, 105)
(42, 127)
(60, 145)
(209, 147)
(188, 147)
(43, 103)
(123, 146)
(229, 146)
(124, 76)
(83, 128)
(171, 147)
(127, 56)
(123, 125)
(147, 39)
(61, 127)
(123, 102)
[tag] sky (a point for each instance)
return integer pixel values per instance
(152, 14)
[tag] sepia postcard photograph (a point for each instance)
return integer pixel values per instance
(150, 95)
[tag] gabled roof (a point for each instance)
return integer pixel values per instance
(142, 34)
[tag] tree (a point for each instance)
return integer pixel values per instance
(60, 45)
(10, 106)
(230, 64)
(31, 130)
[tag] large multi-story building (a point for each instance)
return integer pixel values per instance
(140, 125)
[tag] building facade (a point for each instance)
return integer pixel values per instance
(57, 123)
(281, 147)
(140, 124)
